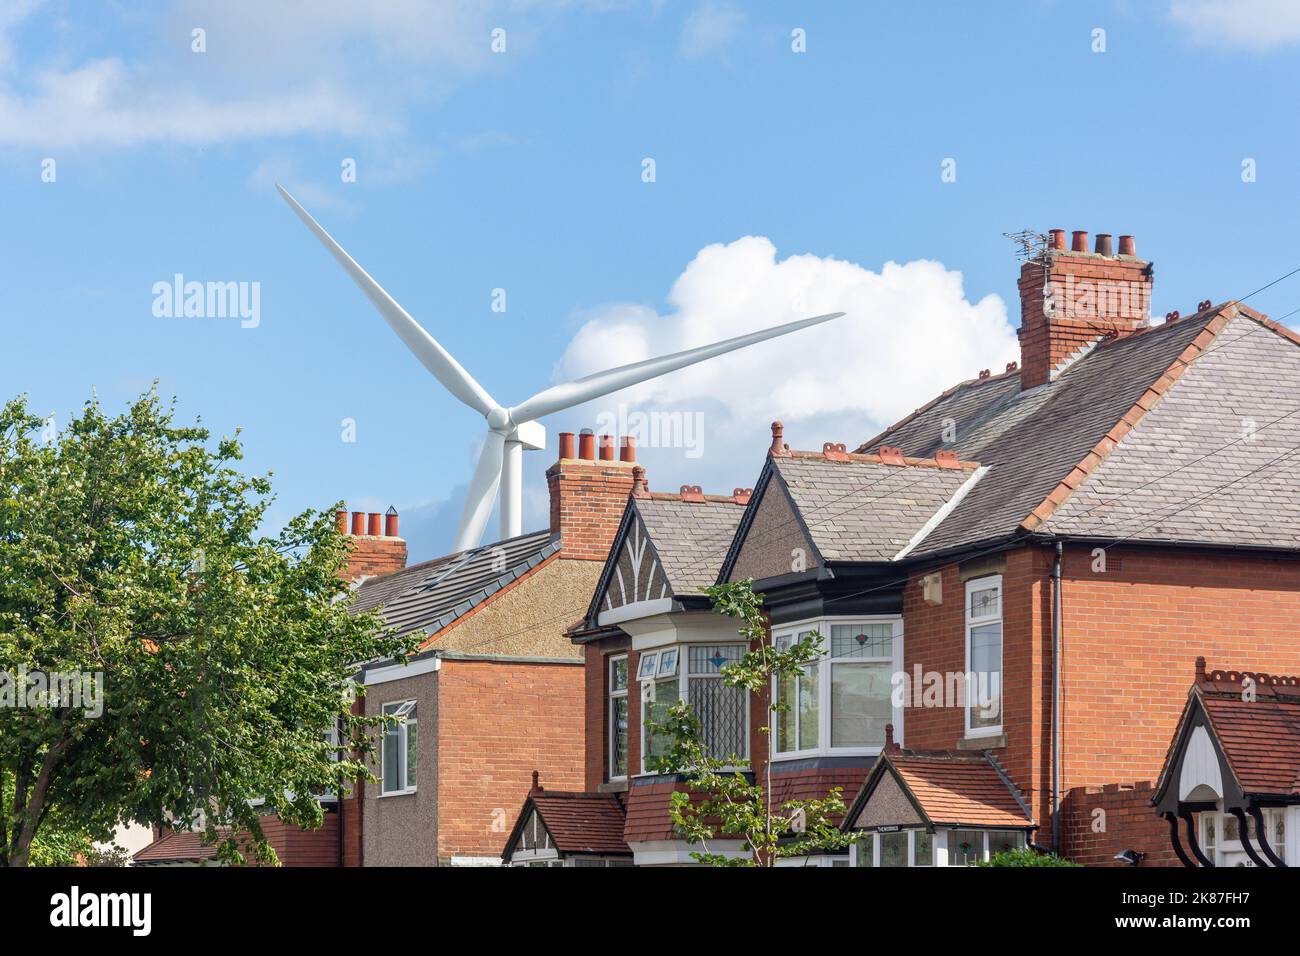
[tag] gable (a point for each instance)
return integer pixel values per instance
(637, 574)
(774, 540)
(887, 805)
(533, 835)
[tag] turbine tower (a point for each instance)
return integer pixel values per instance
(514, 429)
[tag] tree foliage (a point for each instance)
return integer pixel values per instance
(1025, 856)
(727, 800)
(130, 551)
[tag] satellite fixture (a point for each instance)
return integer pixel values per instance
(511, 430)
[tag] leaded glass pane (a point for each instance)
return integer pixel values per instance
(1002, 841)
(965, 847)
(618, 674)
(893, 848)
(862, 640)
(865, 849)
(860, 704)
(721, 711)
(712, 659)
(986, 602)
(618, 730)
(922, 848)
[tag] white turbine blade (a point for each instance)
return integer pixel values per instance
(426, 348)
(482, 492)
(559, 397)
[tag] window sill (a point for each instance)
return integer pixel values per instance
(396, 793)
(825, 752)
(982, 741)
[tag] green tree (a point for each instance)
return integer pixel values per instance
(130, 556)
(1026, 856)
(729, 801)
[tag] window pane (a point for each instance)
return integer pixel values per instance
(860, 704)
(866, 846)
(656, 711)
(1000, 841)
(618, 674)
(721, 711)
(618, 732)
(809, 708)
(1230, 830)
(986, 602)
(922, 848)
(712, 659)
(862, 640)
(965, 847)
(668, 663)
(392, 759)
(411, 754)
(984, 693)
(893, 848)
(647, 666)
(786, 720)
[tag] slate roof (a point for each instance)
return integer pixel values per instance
(952, 788)
(1130, 418)
(690, 537)
(1260, 738)
(862, 509)
(429, 596)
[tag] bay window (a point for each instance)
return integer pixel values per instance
(942, 847)
(843, 701)
(618, 717)
(984, 656)
(722, 710)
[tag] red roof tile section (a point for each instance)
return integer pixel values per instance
(179, 846)
(582, 822)
(1256, 718)
(958, 788)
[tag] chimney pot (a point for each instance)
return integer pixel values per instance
(1126, 247)
(376, 529)
(890, 745)
(606, 447)
(1103, 247)
(566, 445)
(587, 445)
(341, 520)
(537, 786)
(627, 450)
(1080, 240)
(1057, 240)
(390, 523)
(777, 447)
(358, 523)
(639, 487)
(1200, 668)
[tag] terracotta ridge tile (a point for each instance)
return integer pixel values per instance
(851, 457)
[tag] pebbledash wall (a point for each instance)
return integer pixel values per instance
(1130, 638)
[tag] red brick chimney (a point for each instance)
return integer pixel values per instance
(588, 493)
(376, 547)
(1070, 298)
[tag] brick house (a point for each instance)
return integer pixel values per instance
(494, 693)
(1010, 581)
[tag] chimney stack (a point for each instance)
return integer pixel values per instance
(589, 492)
(1071, 299)
(375, 548)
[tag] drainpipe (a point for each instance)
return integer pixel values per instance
(1056, 699)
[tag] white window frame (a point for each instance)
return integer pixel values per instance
(399, 708)
(682, 676)
(823, 627)
(1221, 846)
(983, 584)
(611, 696)
(939, 839)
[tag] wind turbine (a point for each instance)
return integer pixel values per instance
(511, 430)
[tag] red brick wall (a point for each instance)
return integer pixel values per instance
(498, 721)
(1097, 823)
(587, 502)
(298, 847)
(373, 556)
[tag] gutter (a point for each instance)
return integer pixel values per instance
(1056, 698)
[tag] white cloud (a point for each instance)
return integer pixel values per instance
(270, 70)
(909, 333)
(709, 27)
(1248, 24)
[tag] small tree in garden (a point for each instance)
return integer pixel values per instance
(202, 664)
(728, 803)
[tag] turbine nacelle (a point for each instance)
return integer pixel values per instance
(511, 431)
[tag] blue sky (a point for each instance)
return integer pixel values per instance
(522, 170)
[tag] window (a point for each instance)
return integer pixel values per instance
(968, 847)
(864, 850)
(618, 717)
(984, 656)
(894, 848)
(400, 752)
(844, 701)
(722, 710)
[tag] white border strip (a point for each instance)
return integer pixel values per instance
(942, 513)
